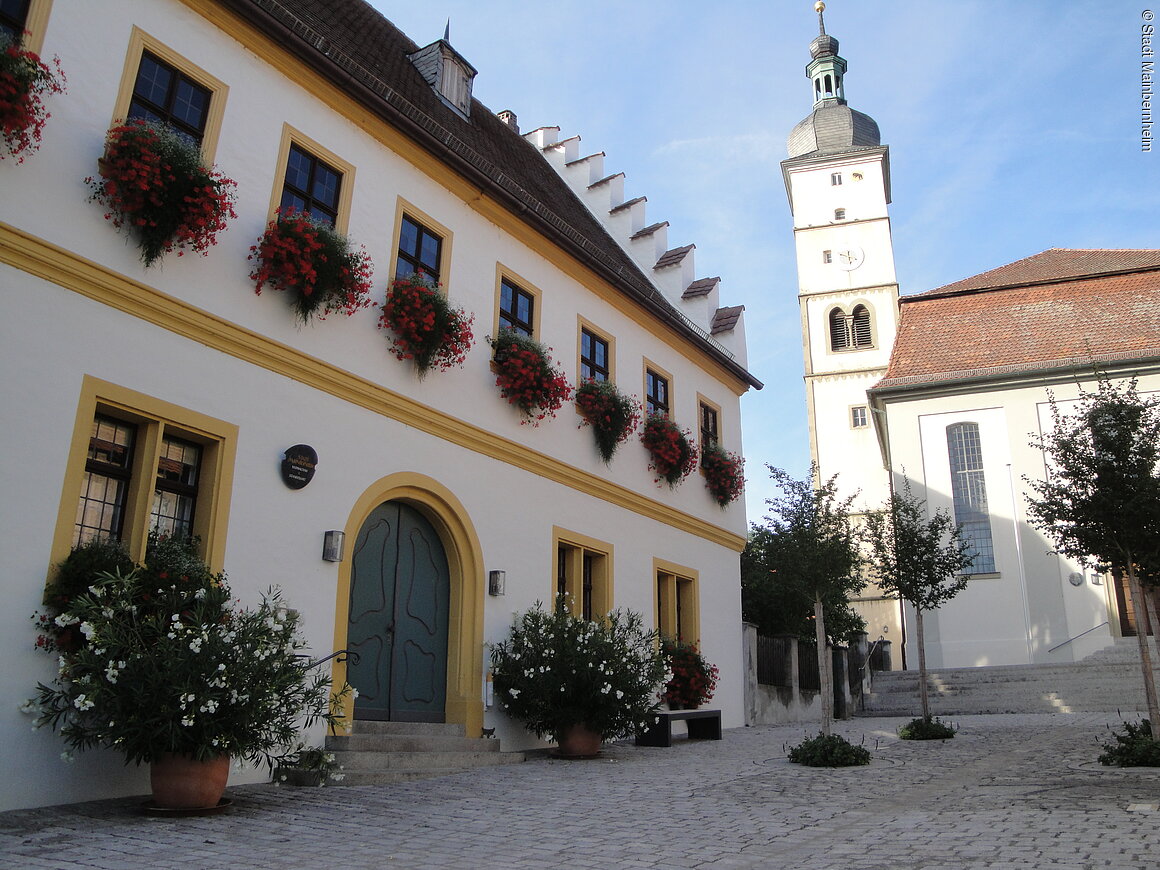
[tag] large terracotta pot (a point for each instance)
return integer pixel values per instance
(180, 783)
(577, 741)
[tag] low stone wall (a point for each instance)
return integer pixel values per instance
(767, 704)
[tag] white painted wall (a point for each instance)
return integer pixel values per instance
(50, 337)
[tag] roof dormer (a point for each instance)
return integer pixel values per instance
(448, 72)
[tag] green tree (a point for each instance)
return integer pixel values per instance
(809, 552)
(1100, 501)
(776, 605)
(921, 560)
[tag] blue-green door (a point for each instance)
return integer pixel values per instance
(399, 594)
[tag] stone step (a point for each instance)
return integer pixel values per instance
(422, 729)
(373, 760)
(410, 743)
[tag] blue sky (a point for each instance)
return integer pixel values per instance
(1013, 127)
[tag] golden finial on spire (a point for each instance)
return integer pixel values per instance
(819, 8)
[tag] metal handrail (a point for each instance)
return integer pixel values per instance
(1078, 636)
(349, 654)
(869, 655)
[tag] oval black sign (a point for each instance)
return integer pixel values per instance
(298, 466)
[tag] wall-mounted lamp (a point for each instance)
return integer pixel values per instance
(495, 582)
(332, 544)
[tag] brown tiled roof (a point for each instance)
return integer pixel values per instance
(673, 256)
(1060, 309)
(359, 50)
(724, 319)
(606, 179)
(1054, 265)
(700, 287)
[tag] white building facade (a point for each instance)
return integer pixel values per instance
(945, 390)
(186, 352)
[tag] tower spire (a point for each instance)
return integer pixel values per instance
(826, 70)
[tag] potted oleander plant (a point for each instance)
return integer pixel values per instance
(165, 667)
(693, 678)
(579, 682)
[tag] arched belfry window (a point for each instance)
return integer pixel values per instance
(853, 331)
(860, 321)
(829, 86)
(969, 492)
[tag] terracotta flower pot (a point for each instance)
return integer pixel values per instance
(180, 783)
(577, 741)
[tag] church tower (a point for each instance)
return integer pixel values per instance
(837, 177)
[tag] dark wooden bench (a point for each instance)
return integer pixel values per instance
(702, 725)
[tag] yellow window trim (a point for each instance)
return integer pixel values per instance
(140, 41)
(679, 575)
(648, 365)
(713, 406)
(290, 136)
(503, 272)
(602, 585)
(291, 66)
(53, 263)
(583, 323)
(36, 24)
(212, 517)
(403, 207)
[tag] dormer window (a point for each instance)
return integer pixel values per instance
(448, 72)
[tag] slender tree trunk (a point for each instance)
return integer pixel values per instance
(923, 694)
(1145, 655)
(1149, 593)
(825, 666)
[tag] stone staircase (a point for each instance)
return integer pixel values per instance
(1106, 681)
(383, 752)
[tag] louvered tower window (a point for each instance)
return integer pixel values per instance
(851, 331)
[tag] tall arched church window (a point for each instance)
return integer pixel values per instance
(969, 492)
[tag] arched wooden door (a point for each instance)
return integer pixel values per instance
(399, 596)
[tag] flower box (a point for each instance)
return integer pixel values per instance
(526, 378)
(152, 183)
(313, 264)
(25, 80)
(425, 326)
(672, 454)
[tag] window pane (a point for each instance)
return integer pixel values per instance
(325, 189)
(153, 81)
(298, 169)
(409, 237)
(14, 18)
(969, 493)
(429, 254)
(190, 104)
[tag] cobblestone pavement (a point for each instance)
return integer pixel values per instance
(1010, 791)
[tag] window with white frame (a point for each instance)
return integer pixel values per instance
(969, 493)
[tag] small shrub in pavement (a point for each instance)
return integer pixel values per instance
(828, 751)
(924, 728)
(1135, 747)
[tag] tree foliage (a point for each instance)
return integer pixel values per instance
(807, 546)
(1100, 502)
(922, 561)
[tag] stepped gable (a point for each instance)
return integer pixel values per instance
(649, 230)
(674, 256)
(1056, 310)
(701, 287)
(724, 319)
(360, 51)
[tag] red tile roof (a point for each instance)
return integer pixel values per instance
(1056, 310)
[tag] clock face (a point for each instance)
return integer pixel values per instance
(851, 258)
